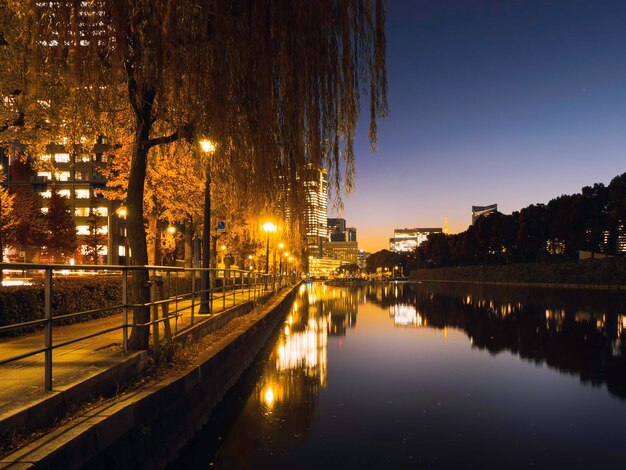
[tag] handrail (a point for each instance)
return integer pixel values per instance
(234, 282)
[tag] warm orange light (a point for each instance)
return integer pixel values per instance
(207, 146)
(269, 227)
(281, 245)
(121, 212)
(224, 247)
(171, 229)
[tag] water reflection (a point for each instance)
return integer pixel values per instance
(573, 331)
(302, 409)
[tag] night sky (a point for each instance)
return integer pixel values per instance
(507, 102)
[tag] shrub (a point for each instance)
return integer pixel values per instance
(20, 304)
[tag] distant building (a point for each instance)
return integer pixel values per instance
(335, 224)
(316, 193)
(407, 239)
(346, 252)
(351, 234)
(323, 266)
(362, 258)
(478, 211)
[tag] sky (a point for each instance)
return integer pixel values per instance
(507, 102)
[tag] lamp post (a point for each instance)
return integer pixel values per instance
(280, 259)
(268, 227)
(208, 148)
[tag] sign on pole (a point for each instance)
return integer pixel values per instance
(221, 226)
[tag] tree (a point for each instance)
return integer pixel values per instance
(95, 241)
(27, 232)
(61, 242)
(6, 214)
(277, 86)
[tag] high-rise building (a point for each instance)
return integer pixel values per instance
(351, 234)
(77, 174)
(316, 217)
(337, 225)
(479, 211)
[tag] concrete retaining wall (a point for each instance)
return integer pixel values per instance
(603, 274)
(148, 428)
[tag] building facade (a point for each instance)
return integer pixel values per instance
(346, 252)
(316, 192)
(479, 211)
(407, 239)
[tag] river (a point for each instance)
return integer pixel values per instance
(430, 375)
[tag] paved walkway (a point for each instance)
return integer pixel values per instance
(21, 382)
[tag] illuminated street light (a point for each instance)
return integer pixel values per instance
(268, 227)
(171, 229)
(208, 147)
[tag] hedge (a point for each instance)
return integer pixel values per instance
(69, 295)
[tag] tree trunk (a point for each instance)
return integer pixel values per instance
(140, 335)
(188, 243)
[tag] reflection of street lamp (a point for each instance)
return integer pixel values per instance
(207, 147)
(268, 227)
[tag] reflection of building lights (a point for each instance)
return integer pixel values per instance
(286, 330)
(268, 396)
(404, 314)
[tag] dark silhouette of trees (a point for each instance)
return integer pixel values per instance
(592, 220)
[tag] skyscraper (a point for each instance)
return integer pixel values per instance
(478, 211)
(316, 193)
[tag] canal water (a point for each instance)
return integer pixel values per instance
(430, 375)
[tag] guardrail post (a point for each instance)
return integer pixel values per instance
(249, 284)
(193, 294)
(125, 311)
(155, 319)
(48, 330)
(223, 290)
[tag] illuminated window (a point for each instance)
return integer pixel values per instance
(82, 230)
(45, 174)
(44, 210)
(62, 175)
(82, 194)
(81, 212)
(62, 157)
(67, 193)
(45, 158)
(103, 230)
(46, 194)
(85, 157)
(103, 211)
(121, 250)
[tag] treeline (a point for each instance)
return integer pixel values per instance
(592, 220)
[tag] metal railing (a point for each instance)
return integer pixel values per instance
(176, 291)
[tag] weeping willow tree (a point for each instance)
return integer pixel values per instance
(277, 84)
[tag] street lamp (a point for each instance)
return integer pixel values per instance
(268, 227)
(207, 147)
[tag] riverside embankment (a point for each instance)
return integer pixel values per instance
(149, 425)
(601, 274)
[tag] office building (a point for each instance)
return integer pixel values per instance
(346, 252)
(315, 224)
(351, 234)
(407, 239)
(483, 211)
